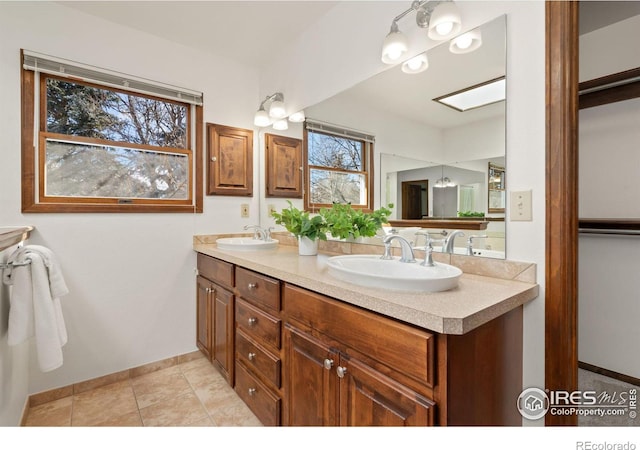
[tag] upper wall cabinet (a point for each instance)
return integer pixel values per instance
(283, 157)
(230, 161)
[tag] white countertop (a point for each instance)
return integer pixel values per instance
(477, 299)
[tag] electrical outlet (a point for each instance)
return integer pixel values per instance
(244, 210)
(520, 206)
(272, 209)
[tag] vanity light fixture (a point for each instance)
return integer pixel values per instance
(444, 182)
(442, 19)
(466, 43)
(483, 94)
(277, 115)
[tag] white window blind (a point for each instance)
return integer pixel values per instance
(337, 130)
(51, 65)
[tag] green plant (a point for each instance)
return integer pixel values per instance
(344, 222)
(470, 214)
(300, 223)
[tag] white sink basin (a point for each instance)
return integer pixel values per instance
(371, 271)
(246, 244)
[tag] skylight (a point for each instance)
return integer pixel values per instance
(475, 96)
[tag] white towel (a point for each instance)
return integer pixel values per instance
(35, 308)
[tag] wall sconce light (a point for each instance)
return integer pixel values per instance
(277, 115)
(440, 17)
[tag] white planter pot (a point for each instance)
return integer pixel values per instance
(307, 247)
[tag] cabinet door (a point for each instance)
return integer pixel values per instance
(310, 381)
(203, 314)
(283, 156)
(369, 398)
(230, 161)
(223, 331)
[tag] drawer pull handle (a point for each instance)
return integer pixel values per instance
(251, 356)
(211, 290)
(252, 392)
(341, 371)
(252, 286)
(252, 321)
(328, 363)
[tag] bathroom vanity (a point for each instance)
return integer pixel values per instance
(303, 348)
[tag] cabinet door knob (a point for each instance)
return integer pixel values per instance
(328, 363)
(341, 371)
(252, 321)
(252, 286)
(251, 356)
(252, 391)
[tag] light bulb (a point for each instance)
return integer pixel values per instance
(416, 64)
(464, 41)
(444, 28)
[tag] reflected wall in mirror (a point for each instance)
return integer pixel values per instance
(428, 145)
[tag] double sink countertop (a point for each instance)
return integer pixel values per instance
(487, 288)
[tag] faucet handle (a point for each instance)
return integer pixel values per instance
(470, 242)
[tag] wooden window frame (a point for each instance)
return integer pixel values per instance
(368, 152)
(33, 198)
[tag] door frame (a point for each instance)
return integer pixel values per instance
(561, 247)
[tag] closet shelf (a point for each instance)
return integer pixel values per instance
(13, 235)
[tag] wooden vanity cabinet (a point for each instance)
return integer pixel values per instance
(345, 366)
(216, 314)
(258, 345)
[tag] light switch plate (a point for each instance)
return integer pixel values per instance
(520, 207)
(244, 210)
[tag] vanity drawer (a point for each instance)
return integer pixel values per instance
(264, 403)
(257, 358)
(401, 347)
(258, 289)
(216, 270)
(257, 324)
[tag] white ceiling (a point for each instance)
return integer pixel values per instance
(250, 32)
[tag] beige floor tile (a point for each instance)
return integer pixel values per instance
(103, 404)
(201, 375)
(217, 397)
(131, 419)
(56, 413)
(159, 386)
(235, 415)
(178, 411)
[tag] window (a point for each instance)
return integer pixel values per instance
(338, 166)
(91, 145)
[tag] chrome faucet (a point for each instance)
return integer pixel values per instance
(260, 233)
(428, 247)
(447, 247)
(470, 243)
(405, 245)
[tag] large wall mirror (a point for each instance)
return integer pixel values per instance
(432, 160)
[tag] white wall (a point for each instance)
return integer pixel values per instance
(609, 171)
(131, 276)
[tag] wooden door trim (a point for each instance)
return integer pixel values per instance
(561, 361)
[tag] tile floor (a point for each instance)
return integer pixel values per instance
(188, 394)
